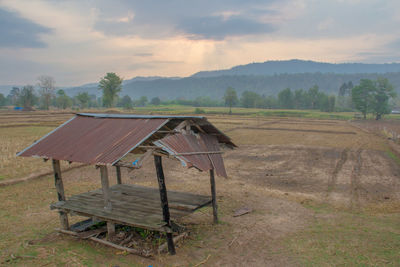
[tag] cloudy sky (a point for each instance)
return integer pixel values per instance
(77, 42)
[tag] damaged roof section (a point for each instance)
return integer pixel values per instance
(200, 151)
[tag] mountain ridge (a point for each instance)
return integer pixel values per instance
(301, 66)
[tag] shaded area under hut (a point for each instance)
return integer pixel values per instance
(104, 140)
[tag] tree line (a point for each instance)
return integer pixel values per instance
(312, 98)
(370, 96)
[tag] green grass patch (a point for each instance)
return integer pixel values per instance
(393, 156)
(347, 239)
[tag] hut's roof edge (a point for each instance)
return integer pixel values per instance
(133, 116)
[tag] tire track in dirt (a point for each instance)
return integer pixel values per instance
(339, 165)
(355, 185)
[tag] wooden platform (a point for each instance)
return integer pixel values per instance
(133, 205)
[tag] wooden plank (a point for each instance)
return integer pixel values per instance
(214, 196)
(152, 193)
(164, 201)
(60, 192)
(130, 204)
(188, 201)
(116, 215)
(118, 170)
(140, 198)
(133, 205)
(145, 225)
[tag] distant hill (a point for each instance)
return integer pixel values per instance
(301, 66)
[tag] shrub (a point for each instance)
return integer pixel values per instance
(199, 111)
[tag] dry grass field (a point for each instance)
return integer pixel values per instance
(322, 193)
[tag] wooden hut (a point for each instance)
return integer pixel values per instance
(104, 140)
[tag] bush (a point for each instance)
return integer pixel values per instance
(199, 111)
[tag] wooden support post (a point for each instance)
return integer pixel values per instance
(214, 196)
(118, 169)
(110, 230)
(60, 192)
(107, 201)
(164, 201)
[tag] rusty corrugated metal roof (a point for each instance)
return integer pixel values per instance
(94, 140)
(209, 128)
(179, 145)
(135, 116)
(106, 138)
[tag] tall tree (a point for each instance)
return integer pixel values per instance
(63, 101)
(362, 96)
(271, 102)
(299, 99)
(230, 98)
(141, 102)
(47, 87)
(93, 101)
(350, 86)
(381, 95)
(313, 95)
(3, 100)
(248, 99)
(126, 102)
(331, 103)
(13, 96)
(155, 101)
(27, 97)
(343, 89)
(111, 84)
(83, 99)
(262, 102)
(285, 98)
(326, 103)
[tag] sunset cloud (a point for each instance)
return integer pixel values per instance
(78, 41)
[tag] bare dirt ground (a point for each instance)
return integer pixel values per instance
(284, 170)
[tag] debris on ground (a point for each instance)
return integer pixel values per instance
(242, 211)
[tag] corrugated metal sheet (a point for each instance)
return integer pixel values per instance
(188, 143)
(95, 140)
(199, 120)
(209, 128)
(133, 116)
(216, 159)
